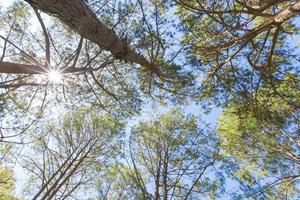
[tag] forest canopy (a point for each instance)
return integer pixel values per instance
(149, 99)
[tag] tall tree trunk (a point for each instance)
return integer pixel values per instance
(79, 17)
(157, 176)
(165, 174)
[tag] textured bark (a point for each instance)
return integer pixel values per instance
(165, 174)
(15, 68)
(77, 15)
(288, 13)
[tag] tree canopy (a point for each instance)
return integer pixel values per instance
(111, 99)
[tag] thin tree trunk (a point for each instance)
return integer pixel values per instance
(63, 172)
(55, 190)
(157, 176)
(165, 174)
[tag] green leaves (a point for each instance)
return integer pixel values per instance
(173, 153)
(6, 184)
(264, 136)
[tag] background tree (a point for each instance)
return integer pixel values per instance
(171, 158)
(117, 182)
(265, 143)
(69, 159)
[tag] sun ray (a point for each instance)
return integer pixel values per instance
(54, 76)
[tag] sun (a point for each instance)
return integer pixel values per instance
(54, 76)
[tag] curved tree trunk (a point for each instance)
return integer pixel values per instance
(77, 15)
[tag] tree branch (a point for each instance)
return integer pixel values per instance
(77, 15)
(47, 41)
(16, 68)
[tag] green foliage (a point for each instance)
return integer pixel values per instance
(83, 146)
(174, 150)
(264, 140)
(6, 184)
(117, 182)
(236, 54)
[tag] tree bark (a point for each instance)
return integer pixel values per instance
(288, 13)
(77, 15)
(157, 176)
(15, 68)
(165, 173)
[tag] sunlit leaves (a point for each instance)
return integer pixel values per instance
(265, 137)
(6, 183)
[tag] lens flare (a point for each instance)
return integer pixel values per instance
(54, 76)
